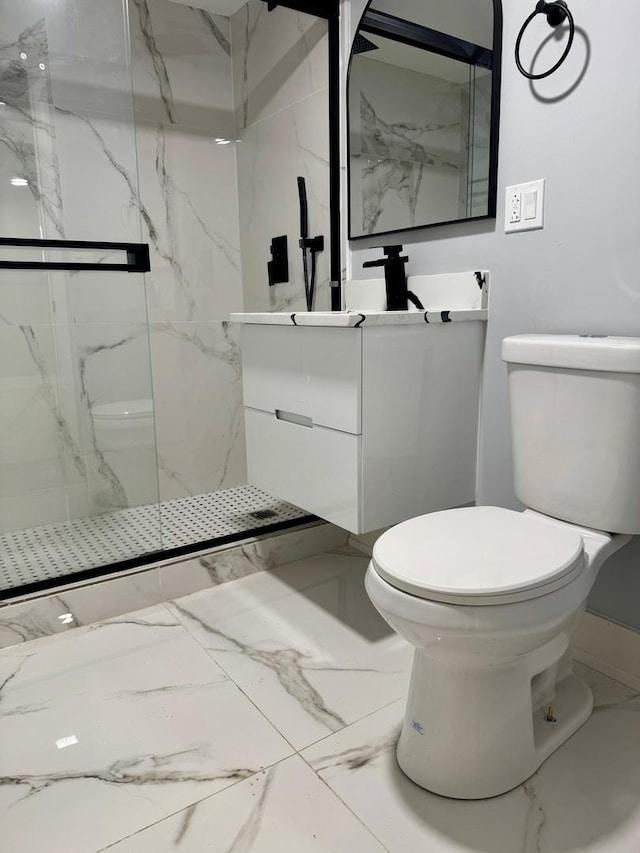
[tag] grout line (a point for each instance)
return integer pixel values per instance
(345, 804)
(257, 122)
(196, 803)
(231, 679)
(355, 722)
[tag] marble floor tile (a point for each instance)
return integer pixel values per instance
(141, 733)
(284, 808)
(110, 728)
(585, 797)
(316, 658)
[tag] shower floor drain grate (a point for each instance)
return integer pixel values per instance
(262, 514)
(42, 553)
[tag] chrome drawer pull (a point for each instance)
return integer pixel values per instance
(292, 418)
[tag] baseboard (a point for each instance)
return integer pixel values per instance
(359, 545)
(364, 542)
(609, 648)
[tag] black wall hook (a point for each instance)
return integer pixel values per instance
(557, 13)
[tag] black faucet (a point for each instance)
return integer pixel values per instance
(395, 279)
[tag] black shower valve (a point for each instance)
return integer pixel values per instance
(278, 266)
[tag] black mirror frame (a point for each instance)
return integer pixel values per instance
(494, 130)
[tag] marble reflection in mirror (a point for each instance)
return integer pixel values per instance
(422, 110)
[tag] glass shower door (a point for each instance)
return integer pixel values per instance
(78, 465)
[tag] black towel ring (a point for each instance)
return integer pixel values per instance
(556, 12)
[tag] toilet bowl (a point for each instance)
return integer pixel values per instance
(125, 436)
(490, 641)
(490, 597)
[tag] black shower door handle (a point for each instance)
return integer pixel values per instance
(137, 255)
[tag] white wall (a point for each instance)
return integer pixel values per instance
(582, 272)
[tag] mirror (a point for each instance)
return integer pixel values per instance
(422, 111)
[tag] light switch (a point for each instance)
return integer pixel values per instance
(524, 207)
(530, 204)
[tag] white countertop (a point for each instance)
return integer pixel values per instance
(356, 319)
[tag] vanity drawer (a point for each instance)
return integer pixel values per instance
(314, 373)
(312, 467)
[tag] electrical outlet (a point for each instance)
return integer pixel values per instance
(515, 207)
(527, 199)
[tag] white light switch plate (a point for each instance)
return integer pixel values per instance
(524, 206)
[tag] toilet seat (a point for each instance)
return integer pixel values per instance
(479, 556)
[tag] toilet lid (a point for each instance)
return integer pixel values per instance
(479, 555)
(124, 409)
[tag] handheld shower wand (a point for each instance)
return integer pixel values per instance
(307, 244)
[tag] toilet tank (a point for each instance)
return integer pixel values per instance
(575, 427)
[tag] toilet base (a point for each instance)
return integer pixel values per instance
(475, 733)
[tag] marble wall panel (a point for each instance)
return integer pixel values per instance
(89, 57)
(271, 154)
(98, 174)
(24, 298)
(189, 208)
(190, 212)
(198, 398)
(18, 204)
(36, 438)
(25, 86)
(181, 61)
(105, 298)
(279, 58)
(280, 75)
(114, 367)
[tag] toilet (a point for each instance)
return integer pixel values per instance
(490, 597)
(124, 434)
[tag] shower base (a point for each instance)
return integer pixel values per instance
(39, 556)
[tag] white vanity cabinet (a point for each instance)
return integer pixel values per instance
(365, 424)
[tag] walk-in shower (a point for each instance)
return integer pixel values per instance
(139, 127)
